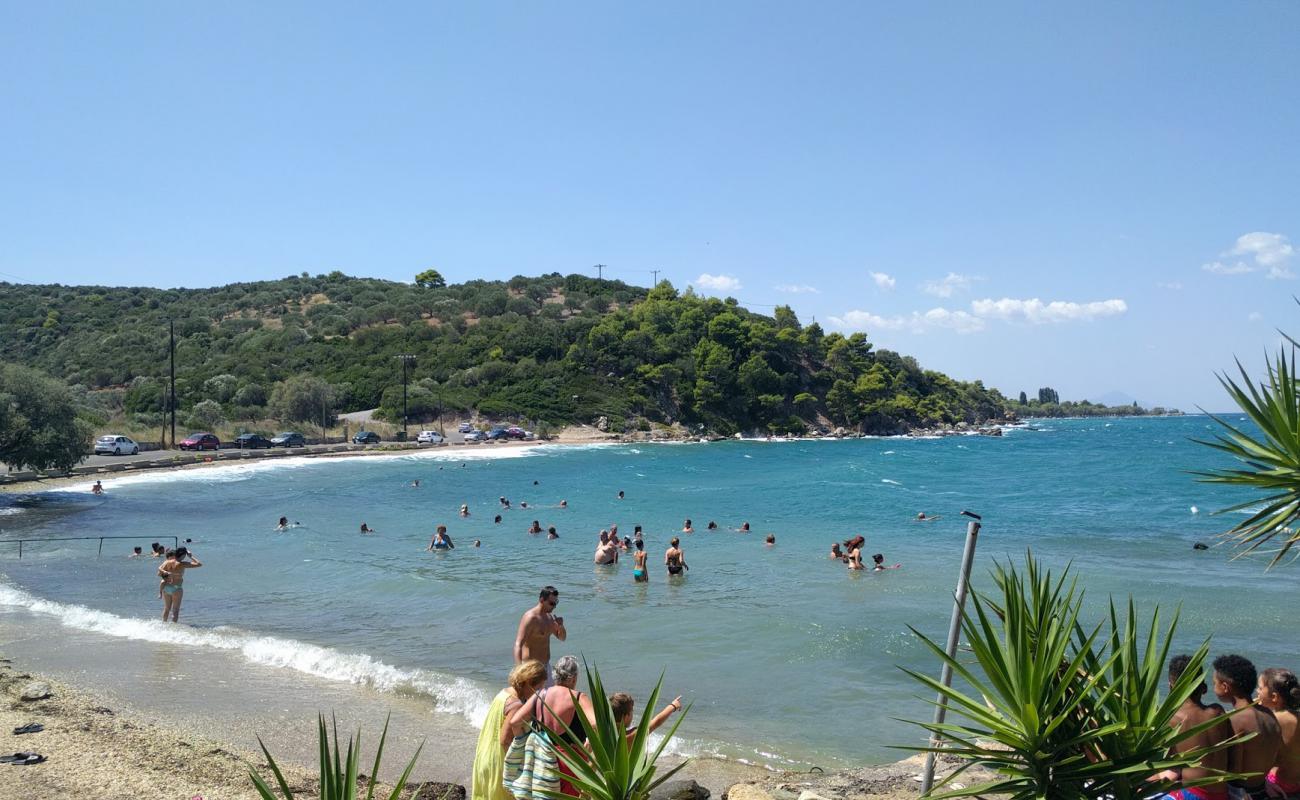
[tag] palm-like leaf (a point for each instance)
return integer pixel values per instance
(1054, 709)
(338, 773)
(1271, 459)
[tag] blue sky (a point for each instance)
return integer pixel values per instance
(1094, 197)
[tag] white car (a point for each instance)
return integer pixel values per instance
(116, 445)
(465, 427)
(429, 437)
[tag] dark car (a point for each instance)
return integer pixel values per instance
(498, 433)
(251, 441)
(288, 439)
(200, 441)
(366, 437)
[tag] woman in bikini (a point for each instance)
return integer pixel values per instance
(440, 540)
(639, 574)
(674, 559)
(172, 573)
(1279, 691)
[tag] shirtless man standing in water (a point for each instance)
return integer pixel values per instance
(537, 626)
(1191, 713)
(1234, 682)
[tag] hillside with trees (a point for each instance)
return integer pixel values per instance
(554, 349)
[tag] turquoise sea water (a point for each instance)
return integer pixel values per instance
(786, 655)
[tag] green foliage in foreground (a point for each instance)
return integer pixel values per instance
(40, 426)
(1056, 708)
(338, 773)
(1270, 458)
(554, 348)
(612, 767)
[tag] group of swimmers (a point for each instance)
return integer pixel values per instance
(851, 554)
(1263, 714)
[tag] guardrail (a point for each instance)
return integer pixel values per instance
(175, 541)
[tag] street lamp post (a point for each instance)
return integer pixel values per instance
(407, 358)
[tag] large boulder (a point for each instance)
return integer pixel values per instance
(680, 790)
(36, 690)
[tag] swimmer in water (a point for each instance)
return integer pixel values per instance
(415, 484)
(464, 509)
(674, 558)
(504, 502)
(687, 528)
(283, 525)
(135, 553)
(921, 517)
(524, 504)
(478, 542)
(497, 519)
(551, 534)
(564, 504)
(620, 494)
(880, 563)
(771, 540)
(627, 543)
(744, 528)
(713, 526)
(98, 488)
(366, 528)
(536, 527)
(639, 573)
(440, 540)
(835, 551)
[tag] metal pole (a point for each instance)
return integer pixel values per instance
(954, 634)
(101, 547)
(171, 325)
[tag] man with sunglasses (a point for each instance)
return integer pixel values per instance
(538, 625)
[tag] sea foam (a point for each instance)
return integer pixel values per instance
(450, 694)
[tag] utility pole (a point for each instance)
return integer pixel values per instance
(407, 358)
(655, 273)
(171, 328)
(600, 272)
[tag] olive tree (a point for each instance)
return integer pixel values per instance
(39, 426)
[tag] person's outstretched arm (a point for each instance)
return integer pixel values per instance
(669, 710)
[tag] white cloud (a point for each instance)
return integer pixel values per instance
(1270, 252)
(945, 286)
(791, 288)
(883, 280)
(1033, 311)
(1171, 285)
(1254, 316)
(718, 283)
(916, 322)
(1268, 249)
(1037, 312)
(1220, 268)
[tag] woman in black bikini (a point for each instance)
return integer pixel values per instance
(674, 559)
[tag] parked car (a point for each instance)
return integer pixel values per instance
(429, 437)
(465, 427)
(496, 433)
(288, 439)
(201, 441)
(116, 444)
(515, 432)
(366, 437)
(251, 441)
(476, 436)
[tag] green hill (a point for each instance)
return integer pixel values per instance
(553, 348)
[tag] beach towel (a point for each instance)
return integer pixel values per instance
(489, 760)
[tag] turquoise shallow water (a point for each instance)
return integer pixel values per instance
(786, 655)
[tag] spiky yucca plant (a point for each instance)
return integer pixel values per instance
(1054, 708)
(338, 773)
(1271, 458)
(612, 766)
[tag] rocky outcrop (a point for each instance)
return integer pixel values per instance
(680, 790)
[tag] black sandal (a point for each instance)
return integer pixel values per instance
(31, 727)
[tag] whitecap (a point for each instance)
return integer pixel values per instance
(887, 480)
